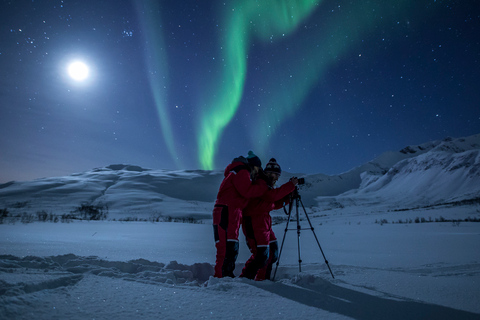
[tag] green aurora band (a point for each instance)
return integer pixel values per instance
(156, 59)
(246, 21)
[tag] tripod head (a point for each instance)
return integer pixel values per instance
(294, 197)
(295, 193)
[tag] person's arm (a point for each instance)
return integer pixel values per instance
(277, 194)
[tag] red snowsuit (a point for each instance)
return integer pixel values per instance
(233, 196)
(257, 227)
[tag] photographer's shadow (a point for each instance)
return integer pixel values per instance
(358, 305)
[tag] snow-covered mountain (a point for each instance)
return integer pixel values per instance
(122, 189)
(432, 173)
(435, 173)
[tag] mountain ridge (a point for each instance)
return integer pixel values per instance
(439, 171)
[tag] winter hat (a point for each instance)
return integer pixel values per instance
(253, 160)
(273, 166)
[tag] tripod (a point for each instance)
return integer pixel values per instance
(297, 199)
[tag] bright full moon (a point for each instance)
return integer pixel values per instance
(78, 71)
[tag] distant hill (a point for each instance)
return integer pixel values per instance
(428, 174)
(434, 173)
(123, 189)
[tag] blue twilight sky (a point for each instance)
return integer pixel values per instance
(323, 86)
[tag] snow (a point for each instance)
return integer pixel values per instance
(386, 266)
(110, 269)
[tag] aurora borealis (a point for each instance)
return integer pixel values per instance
(246, 21)
(323, 86)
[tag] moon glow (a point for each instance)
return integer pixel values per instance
(78, 71)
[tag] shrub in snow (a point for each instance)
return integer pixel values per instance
(91, 212)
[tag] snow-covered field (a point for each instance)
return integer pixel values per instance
(401, 235)
(134, 270)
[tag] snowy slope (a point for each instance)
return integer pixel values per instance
(126, 190)
(449, 172)
(457, 159)
(428, 174)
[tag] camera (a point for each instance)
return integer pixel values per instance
(300, 180)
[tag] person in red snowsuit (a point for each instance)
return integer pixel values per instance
(257, 223)
(233, 195)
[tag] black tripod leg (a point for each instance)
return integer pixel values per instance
(318, 242)
(299, 228)
(281, 247)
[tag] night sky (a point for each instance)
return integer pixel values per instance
(323, 86)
